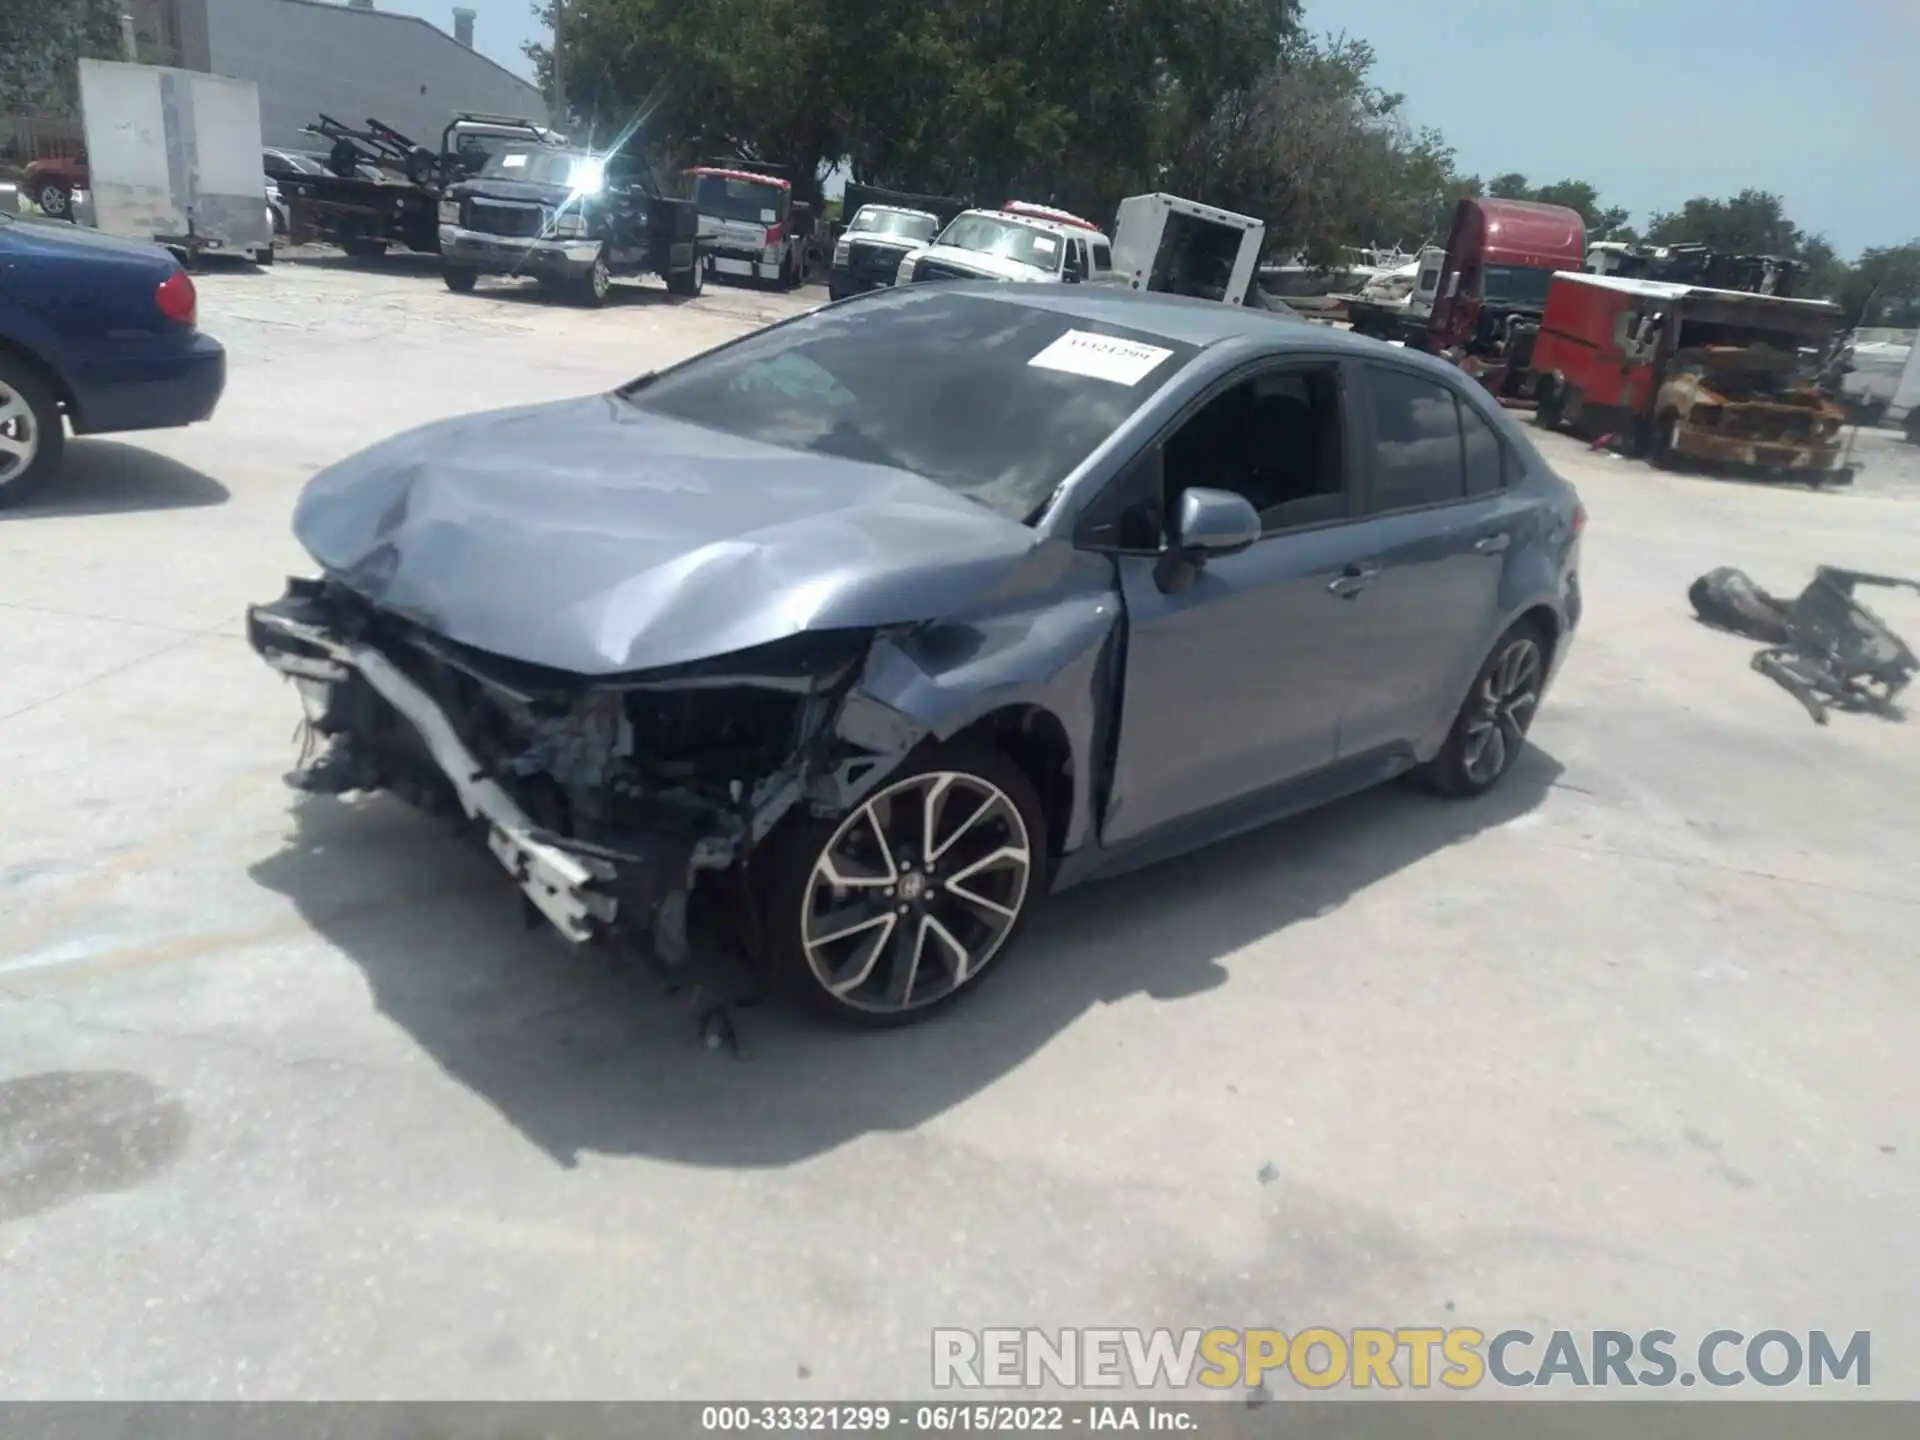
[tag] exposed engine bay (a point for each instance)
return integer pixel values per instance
(1750, 404)
(604, 797)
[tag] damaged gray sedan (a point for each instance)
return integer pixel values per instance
(860, 635)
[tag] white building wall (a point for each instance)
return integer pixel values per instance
(309, 57)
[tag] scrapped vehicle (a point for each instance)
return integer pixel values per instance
(750, 218)
(50, 183)
(997, 245)
(1688, 373)
(1873, 359)
(1501, 257)
(1904, 408)
(868, 253)
(571, 219)
(862, 634)
(1174, 246)
(97, 333)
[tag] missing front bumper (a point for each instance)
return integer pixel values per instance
(569, 889)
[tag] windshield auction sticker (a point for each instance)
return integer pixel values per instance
(1101, 357)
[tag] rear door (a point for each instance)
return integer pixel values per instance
(1438, 524)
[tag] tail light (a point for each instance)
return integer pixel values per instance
(776, 235)
(1579, 518)
(177, 300)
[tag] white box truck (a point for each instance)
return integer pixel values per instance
(1180, 247)
(174, 157)
(1905, 405)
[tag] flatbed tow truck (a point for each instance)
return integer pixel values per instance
(365, 217)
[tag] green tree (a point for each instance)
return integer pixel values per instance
(1323, 155)
(41, 45)
(1883, 286)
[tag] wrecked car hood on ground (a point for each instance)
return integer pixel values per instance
(592, 537)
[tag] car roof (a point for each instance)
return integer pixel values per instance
(1037, 222)
(1179, 318)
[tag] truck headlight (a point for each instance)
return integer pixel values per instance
(842, 250)
(570, 225)
(905, 269)
(449, 212)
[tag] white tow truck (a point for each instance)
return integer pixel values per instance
(1025, 244)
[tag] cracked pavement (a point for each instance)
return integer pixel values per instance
(292, 1106)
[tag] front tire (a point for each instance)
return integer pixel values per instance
(1491, 728)
(593, 287)
(885, 915)
(32, 434)
(459, 278)
(1663, 446)
(55, 200)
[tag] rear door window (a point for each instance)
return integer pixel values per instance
(1418, 455)
(1102, 257)
(1486, 453)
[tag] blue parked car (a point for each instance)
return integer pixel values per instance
(100, 331)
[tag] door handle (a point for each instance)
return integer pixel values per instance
(1492, 544)
(1352, 580)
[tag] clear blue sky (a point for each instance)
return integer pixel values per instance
(1651, 100)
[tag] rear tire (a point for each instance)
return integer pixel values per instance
(362, 248)
(690, 281)
(55, 200)
(1491, 729)
(989, 847)
(32, 433)
(460, 278)
(1913, 426)
(1548, 413)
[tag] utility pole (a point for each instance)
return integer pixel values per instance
(558, 103)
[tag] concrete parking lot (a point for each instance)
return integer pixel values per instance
(292, 1105)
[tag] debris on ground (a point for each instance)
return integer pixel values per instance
(1824, 648)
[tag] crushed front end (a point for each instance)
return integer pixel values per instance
(604, 798)
(1748, 406)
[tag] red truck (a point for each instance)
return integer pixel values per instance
(1691, 373)
(1501, 258)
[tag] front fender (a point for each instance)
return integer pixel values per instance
(1055, 652)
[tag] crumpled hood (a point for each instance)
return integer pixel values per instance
(987, 267)
(596, 538)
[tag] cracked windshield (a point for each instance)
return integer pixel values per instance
(921, 718)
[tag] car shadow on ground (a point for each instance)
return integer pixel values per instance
(394, 262)
(104, 477)
(583, 1056)
(621, 295)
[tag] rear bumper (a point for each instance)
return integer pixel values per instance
(512, 255)
(136, 391)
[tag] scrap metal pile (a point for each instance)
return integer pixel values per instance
(1825, 648)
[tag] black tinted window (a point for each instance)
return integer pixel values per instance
(1417, 441)
(996, 400)
(1486, 454)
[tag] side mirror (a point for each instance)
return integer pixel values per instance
(1216, 522)
(1210, 523)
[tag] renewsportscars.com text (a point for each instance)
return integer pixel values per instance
(1417, 1358)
